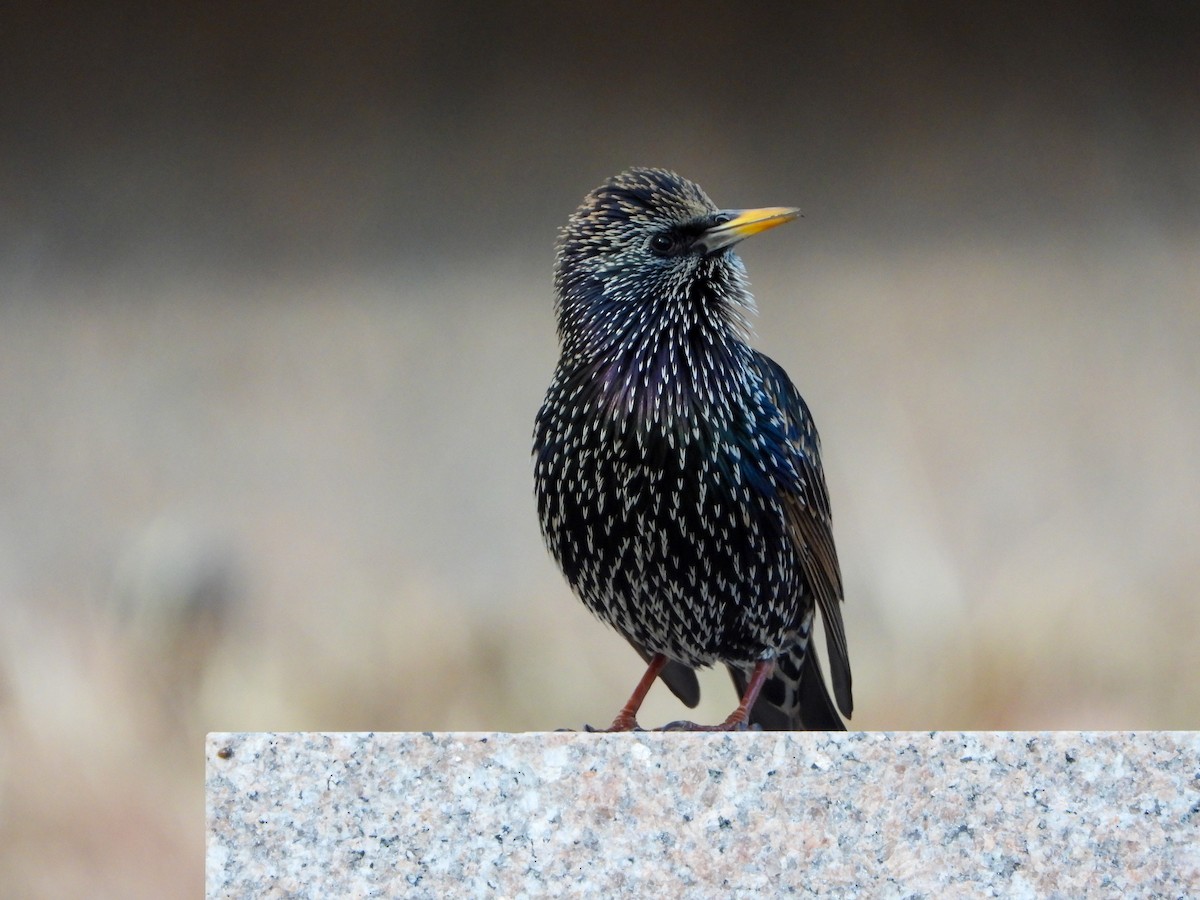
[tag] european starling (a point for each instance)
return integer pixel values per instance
(678, 471)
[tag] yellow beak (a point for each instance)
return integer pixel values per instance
(742, 223)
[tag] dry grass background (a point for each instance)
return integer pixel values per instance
(264, 449)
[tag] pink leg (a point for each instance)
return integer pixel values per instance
(737, 718)
(626, 719)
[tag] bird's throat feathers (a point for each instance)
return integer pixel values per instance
(666, 365)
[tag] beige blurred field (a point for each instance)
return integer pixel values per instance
(264, 450)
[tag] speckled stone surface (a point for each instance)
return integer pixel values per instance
(944, 814)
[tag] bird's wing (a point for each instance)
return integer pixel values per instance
(812, 524)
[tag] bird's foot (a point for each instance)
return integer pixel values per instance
(620, 724)
(738, 719)
(727, 725)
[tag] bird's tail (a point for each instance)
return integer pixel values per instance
(794, 697)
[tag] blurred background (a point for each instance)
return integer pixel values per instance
(275, 319)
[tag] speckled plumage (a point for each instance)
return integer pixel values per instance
(677, 470)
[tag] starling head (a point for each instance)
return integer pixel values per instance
(646, 253)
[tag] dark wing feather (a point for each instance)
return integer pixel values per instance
(812, 524)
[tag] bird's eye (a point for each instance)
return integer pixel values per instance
(661, 244)
(722, 218)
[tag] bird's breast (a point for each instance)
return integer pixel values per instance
(665, 534)
(668, 490)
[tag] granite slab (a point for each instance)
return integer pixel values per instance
(902, 814)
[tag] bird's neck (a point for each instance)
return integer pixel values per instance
(671, 374)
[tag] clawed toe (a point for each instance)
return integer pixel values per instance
(683, 725)
(617, 727)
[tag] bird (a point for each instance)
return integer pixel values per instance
(677, 470)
